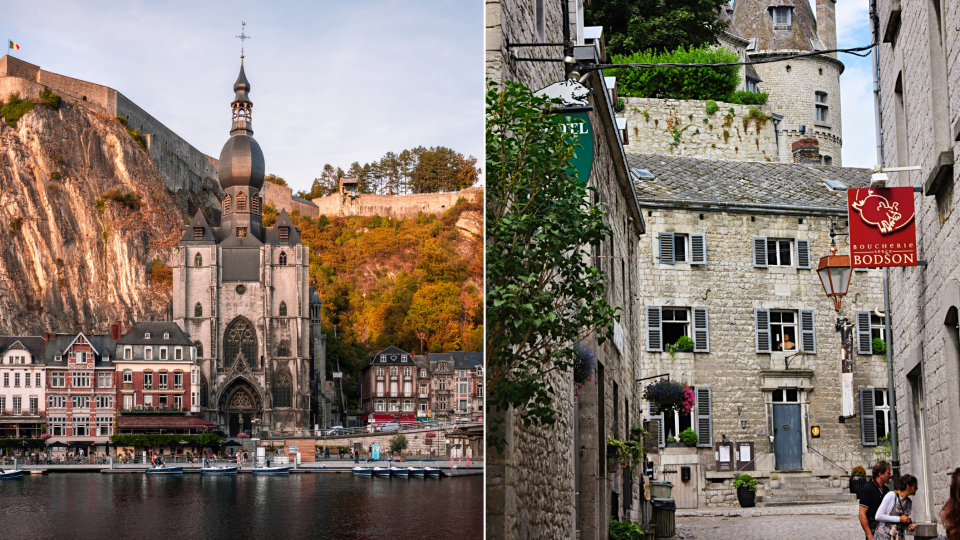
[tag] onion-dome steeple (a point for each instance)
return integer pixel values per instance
(241, 160)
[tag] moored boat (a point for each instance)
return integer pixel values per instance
(363, 471)
(381, 471)
(416, 471)
(271, 470)
(398, 471)
(431, 472)
(219, 470)
(165, 470)
(14, 473)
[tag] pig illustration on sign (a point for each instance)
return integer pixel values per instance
(876, 210)
(570, 91)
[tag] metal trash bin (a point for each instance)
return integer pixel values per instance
(665, 516)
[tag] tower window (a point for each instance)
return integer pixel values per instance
(198, 259)
(226, 204)
(198, 310)
(241, 203)
(781, 18)
(256, 205)
(284, 234)
(283, 258)
(241, 232)
(822, 109)
(283, 309)
(283, 349)
(198, 233)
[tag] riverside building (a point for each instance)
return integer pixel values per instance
(22, 394)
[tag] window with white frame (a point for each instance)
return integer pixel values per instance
(127, 376)
(378, 405)
(148, 380)
(17, 405)
(56, 426)
(81, 380)
(379, 372)
(380, 388)
(163, 353)
(783, 329)
(148, 353)
(16, 380)
(56, 402)
(162, 381)
(407, 373)
(148, 400)
(423, 389)
(178, 354)
(58, 379)
(676, 324)
(128, 353)
(423, 406)
(479, 390)
(104, 402)
(37, 380)
(779, 252)
(81, 402)
(6, 379)
(104, 380)
(442, 403)
(393, 373)
(822, 109)
(882, 407)
(104, 426)
(81, 428)
(394, 406)
(178, 380)
(178, 401)
(462, 389)
(463, 405)
(26, 380)
(407, 388)
(34, 406)
(383, 358)
(423, 374)
(128, 401)
(782, 18)
(394, 388)
(407, 405)
(3, 404)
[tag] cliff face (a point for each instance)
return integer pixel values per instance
(71, 260)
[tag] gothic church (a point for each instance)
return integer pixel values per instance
(241, 291)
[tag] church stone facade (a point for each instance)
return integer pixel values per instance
(241, 291)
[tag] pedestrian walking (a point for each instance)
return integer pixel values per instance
(871, 495)
(893, 516)
(950, 513)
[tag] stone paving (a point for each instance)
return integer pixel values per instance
(822, 522)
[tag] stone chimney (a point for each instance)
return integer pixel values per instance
(807, 151)
(827, 23)
(115, 331)
(47, 336)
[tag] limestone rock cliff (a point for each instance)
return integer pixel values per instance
(71, 260)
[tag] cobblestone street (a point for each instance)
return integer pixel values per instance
(819, 522)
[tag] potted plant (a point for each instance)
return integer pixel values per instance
(835, 480)
(858, 479)
(584, 364)
(879, 346)
(746, 487)
(674, 443)
(670, 396)
(688, 437)
(775, 481)
(684, 344)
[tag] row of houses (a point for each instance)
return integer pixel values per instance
(434, 386)
(80, 387)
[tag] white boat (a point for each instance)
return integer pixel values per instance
(271, 470)
(226, 469)
(165, 470)
(398, 471)
(431, 472)
(13, 473)
(381, 471)
(417, 471)
(363, 471)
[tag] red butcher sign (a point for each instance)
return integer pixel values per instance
(883, 231)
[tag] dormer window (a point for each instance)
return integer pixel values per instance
(383, 358)
(166, 335)
(198, 233)
(284, 234)
(146, 335)
(782, 18)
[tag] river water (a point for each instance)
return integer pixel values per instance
(110, 506)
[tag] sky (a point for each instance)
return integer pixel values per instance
(331, 81)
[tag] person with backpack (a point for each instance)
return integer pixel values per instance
(893, 516)
(871, 495)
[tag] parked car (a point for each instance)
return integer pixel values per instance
(335, 430)
(389, 426)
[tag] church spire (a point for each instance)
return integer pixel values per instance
(241, 104)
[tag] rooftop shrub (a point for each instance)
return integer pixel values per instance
(678, 82)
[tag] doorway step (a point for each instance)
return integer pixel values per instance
(802, 488)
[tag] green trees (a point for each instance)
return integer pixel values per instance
(274, 179)
(543, 296)
(657, 25)
(434, 317)
(398, 443)
(678, 83)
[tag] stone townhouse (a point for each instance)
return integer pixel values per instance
(919, 102)
(458, 385)
(730, 262)
(157, 366)
(81, 386)
(557, 481)
(442, 399)
(390, 386)
(22, 396)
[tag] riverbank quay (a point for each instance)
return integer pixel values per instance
(330, 466)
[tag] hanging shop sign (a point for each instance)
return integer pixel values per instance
(846, 370)
(573, 116)
(883, 231)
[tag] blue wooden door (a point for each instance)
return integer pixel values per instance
(787, 437)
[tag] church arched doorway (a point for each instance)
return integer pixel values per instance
(241, 404)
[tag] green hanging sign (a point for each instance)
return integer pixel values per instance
(579, 124)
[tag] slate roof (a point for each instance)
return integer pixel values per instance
(392, 351)
(33, 345)
(761, 182)
(134, 335)
(457, 359)
(60, 342)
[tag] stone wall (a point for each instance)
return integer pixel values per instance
(394, 206)
(721, 135)
(418, 442)
(282, 198)
(740, 379)
(920, 94)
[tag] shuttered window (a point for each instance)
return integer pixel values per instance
(761, 319)
(868, 417)
(803, 254)
(657, 416)
(698, 248)
(701, 330)
(654, 330)
(808, 334)
(704, 417)
(759, 252)
(666, 248)
(864, 339)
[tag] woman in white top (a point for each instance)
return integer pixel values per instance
(894, 512)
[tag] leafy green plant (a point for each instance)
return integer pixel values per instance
(15, 108)
(398, 443)
(626, 530)
(884, 449)
(745, 480)
(632, 452)
(540, 299)
(684, 344)
(713, 83)
(747, 98)
(620, 106)
(757, 116)
(635, 25)
(688, 437)
(15, 225)
(774, 476)
(134, 133)
(50, 98)
(879, 346)
(858, 471)
(671, 440)
(161, 440)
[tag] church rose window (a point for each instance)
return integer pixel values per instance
(198, 259)
(282, 390)
(241, 232)
(239, 339)
(241, 289)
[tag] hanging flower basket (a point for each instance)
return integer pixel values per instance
(670, 396)
(584, 366)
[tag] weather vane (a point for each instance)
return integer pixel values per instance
(243, 37)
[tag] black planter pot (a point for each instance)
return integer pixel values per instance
(856, 484)
(746, 498)
(675, 445)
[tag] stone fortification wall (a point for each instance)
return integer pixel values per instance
(394, 206)
(282, 198)
(183, 167)
(651, 124)
(792, 86)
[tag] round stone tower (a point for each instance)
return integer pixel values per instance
(806, 91)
